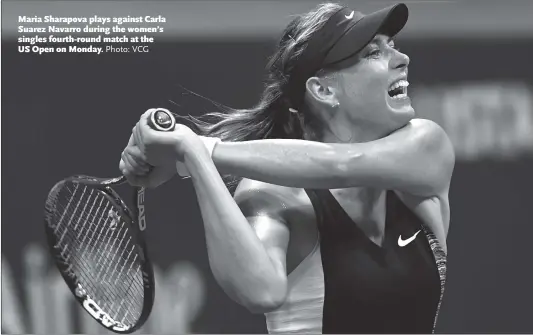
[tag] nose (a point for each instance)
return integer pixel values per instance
(399, 60)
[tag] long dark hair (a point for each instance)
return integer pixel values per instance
(270, 117)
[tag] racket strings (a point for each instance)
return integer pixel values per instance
(91, 245)
(105, 259)
(119, 274)
(64, 248)
(99, 279)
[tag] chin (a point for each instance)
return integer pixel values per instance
(407, 113)
(402, 116)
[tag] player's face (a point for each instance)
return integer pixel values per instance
(373, 91)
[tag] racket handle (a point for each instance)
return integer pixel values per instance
(162, 119)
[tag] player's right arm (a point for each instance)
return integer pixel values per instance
(247, 237)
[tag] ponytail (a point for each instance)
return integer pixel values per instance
(270, 117)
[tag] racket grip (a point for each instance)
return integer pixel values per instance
(162, 119)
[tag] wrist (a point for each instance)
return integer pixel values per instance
(210, 143)
(190, 162)
(195, 154)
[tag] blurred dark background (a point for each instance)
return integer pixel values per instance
(66, 114)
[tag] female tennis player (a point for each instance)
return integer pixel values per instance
(339, 224)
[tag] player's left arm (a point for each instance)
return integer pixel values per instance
(417, 159)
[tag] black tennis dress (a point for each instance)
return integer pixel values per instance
(393, 288)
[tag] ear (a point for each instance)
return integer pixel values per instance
(322, 91)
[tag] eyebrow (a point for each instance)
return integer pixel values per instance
(376, 40)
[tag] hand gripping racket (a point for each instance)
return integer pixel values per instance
(98, 245)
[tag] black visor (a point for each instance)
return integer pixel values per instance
(345, 33)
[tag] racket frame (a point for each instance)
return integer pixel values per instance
(136, 221)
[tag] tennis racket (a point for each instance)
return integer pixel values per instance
(98, 244)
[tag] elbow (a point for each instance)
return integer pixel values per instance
(268, 299)
(258, 297)
(258, 294)
(265, 303)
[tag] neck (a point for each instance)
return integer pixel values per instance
(345, 131)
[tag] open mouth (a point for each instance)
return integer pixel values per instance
(398, 90)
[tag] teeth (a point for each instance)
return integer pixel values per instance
(400, 96)
(400, 83)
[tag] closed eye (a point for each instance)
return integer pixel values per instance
(374, 53)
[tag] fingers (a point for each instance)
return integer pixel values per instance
(138, 158)
(136, 153)
(127, 171)
(145, 123)
(132, 178)
(131, 141)
(134, 161)
(136, 132)
(122, 166)
(145, 117)
(125, 167)
(141, 128)
(137, 165)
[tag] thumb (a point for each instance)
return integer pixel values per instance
(134, 179)
(150, 180)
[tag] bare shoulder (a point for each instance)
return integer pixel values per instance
(429, 132)
(426, 138)
(431, 140)
(434, 137)
(432, 134)
(425, 124)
